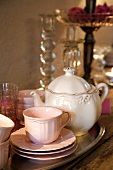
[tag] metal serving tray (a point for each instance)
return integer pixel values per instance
(85, 143)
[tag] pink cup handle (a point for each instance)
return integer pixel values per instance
(68, 119)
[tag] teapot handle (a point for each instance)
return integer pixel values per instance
(104, 90)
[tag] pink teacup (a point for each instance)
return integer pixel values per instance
(44, 124)
(25, 97)
(24, 106)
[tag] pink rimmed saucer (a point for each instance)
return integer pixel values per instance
(44, 152)
(47, 156)
(19, 139)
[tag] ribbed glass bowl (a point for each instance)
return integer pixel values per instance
(84, 20)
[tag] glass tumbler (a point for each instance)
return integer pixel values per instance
(9, 100)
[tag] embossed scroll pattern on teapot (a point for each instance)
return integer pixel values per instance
(73, 94)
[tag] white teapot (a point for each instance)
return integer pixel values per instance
(73, 94)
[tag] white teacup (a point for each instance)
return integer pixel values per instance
(44, 124)
(4, 153)
(6, 126)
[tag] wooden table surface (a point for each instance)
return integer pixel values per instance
(101, 156)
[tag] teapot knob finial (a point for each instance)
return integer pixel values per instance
(69, 70)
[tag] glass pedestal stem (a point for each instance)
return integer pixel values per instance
(47, 45)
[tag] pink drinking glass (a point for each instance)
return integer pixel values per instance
(9, 100)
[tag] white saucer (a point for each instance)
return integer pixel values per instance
(19, 139)
(47, 157)
(42, 153)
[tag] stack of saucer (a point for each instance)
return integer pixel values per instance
(25, 101)
(65, 145)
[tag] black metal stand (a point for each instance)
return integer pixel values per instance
(88, 54)
(89, 42)
(90, 6)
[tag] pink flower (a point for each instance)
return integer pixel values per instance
(77, 14)
(102, 8)
(110, 9)
(101, 12)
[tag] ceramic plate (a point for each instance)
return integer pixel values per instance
(43, 153)
(19, 139)
(47, 157)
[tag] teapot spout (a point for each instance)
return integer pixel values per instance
(37, 99)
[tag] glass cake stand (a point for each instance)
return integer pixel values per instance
(89, 23)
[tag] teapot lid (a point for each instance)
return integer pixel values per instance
(69, 83)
